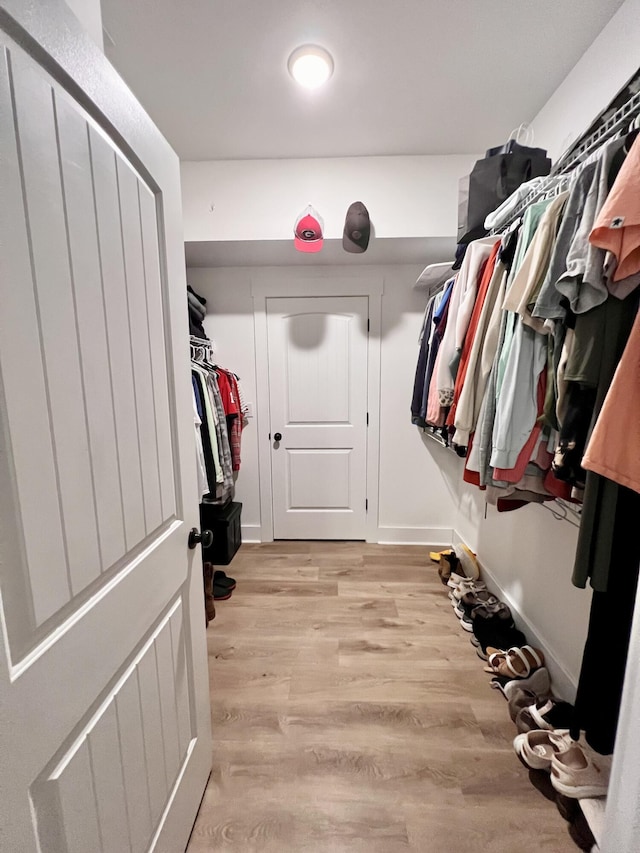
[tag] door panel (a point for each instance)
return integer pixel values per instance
(318, 397)
(123, 806)
(306, 491)
(106, 739)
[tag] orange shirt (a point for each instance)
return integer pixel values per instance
(617, 228)
(614, 447)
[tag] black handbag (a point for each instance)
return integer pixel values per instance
(492, 180)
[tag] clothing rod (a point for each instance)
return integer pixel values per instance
(577, 153)
(563, 512)
(436, 437)
(615, 123)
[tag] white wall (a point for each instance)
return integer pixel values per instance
(89, 13)
(527, 556)
(260, 199)
(415, 503)
(597, 77)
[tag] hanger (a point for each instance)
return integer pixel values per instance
(631, 133)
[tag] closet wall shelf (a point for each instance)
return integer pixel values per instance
(434, 436)
(563, 511)
(607, 130)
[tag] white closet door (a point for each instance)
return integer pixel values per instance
(318, 401)
(103, 678)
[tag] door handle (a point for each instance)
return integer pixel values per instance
(196, 538)
(277, 436)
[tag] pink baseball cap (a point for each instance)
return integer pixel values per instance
(308, 231)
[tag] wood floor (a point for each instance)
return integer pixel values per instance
(351, 713)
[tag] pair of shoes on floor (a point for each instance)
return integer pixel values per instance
(522, 699)
(459, 563)
(544, 713)
(223, 585)
(577, 771)
(436, 556)
(517, 662)
(449, 564)
(477, 605)
(537, 683)
(497, 633)
(460, 584)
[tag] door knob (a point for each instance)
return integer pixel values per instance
(277, 436)
(196, 538)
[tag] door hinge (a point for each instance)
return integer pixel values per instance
(368, 325)
(269, 436)
(367, 418)
(366, 504)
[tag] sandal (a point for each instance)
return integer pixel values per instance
(537, 749)
(488, 609)
(468, 586)
(455, 579)
(544, 713)
(538, 683)
(516, 662)
(470, 601)
(522, 700)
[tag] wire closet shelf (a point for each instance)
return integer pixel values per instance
(560, 175)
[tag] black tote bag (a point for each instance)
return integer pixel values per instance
(491, 182)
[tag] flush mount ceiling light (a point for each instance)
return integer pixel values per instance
(310, 66)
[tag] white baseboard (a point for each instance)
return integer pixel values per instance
(436, 536)
(386, 535)
(251, 532)
(563, 683)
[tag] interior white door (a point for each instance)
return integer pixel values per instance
(318, 401)
(103, 673)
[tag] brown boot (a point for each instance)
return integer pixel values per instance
(209, 604)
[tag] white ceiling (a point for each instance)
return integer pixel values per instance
(411, 76)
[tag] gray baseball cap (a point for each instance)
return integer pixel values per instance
(357, 229)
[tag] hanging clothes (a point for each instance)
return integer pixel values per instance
(213, 426)
(537, 375)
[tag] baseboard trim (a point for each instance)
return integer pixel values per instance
(387, 535)
(251, 533)
(564, 684)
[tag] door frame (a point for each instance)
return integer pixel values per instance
(301, 282)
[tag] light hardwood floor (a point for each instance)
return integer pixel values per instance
(351, 713)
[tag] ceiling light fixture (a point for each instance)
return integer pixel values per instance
(310, 66)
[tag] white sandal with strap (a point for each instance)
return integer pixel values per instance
(516, 662)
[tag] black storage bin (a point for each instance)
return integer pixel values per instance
(224, 523)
